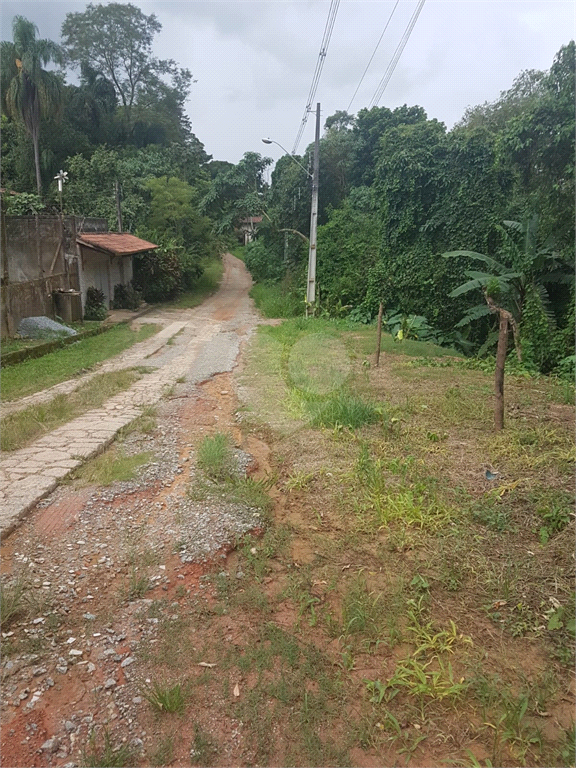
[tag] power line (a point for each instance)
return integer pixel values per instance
(397, 53)
(371, 57)
(318, 71)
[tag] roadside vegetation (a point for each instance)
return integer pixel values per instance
(35, 375)
(205, 286)
(410, 599)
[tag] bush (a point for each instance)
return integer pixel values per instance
(95, 308)
(126, 297)
(262, 263)
(158, 274)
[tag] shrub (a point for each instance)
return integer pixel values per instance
(95, 308)
(126, 297)
(158, 274)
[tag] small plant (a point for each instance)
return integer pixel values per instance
(214, 456)
(203, 751)
(12, 601)
(138, 585)
(342, 409)
(95, 307)
(361, 610)
(107, 755)
(164, 752)
(165, 698)
(110, 467)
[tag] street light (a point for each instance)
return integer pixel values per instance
(271, 141)
(311, 281)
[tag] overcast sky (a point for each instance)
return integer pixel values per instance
(254, 59)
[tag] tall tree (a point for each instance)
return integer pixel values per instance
(29, 92)
(116, 40)
(236, 193)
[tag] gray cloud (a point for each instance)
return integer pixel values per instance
(254, 59)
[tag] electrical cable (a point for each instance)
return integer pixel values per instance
(397, 53)
(318, 71)
(371, 57)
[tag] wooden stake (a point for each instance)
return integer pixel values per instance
(499, 373)
(380, 311)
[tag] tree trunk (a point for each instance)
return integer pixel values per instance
(379, 335)
(36, 144)
(499, 373)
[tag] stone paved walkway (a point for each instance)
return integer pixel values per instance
(29, 474)
(135, 355)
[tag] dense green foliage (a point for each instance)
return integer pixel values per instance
(398, 190)
(122, 127)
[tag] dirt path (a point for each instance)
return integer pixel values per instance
(95, 559)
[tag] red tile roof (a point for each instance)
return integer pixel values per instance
(118, 244)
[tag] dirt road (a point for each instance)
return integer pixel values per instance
(95, 560)
(194, 345)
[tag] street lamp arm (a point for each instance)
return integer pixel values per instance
(295, 232)
(271, 141)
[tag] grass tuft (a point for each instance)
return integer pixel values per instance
(166, 698)
(109, 467)
(214, 456)
(107, 755)
(12, 601)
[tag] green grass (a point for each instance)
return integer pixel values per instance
(342, 410)
(107, 754)
(15, 345)
(21, 428)
(214, 456)
(205, 286)
(273, 300)
(239, 252)
(34, 375)
(165, 698)
(13, 601)
(204, 750)
(109, 467)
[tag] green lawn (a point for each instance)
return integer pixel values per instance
(43, 372)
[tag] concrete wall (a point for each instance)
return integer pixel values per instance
(38, 256)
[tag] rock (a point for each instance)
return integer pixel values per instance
(61, 669)
(89, 616)
(91, 667)
(49, 682)
(128, 661)
(138, 743)
(110, 683)
(137, 700)
(69, 726)
(43, 328)
(39, 671)
(51, 745)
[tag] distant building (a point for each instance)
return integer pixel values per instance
(248, 228)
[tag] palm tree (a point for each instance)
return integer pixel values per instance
(29, 92)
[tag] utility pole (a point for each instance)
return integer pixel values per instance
(311, 285)
(118, 204)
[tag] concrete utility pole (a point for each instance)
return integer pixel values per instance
(311, 285)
